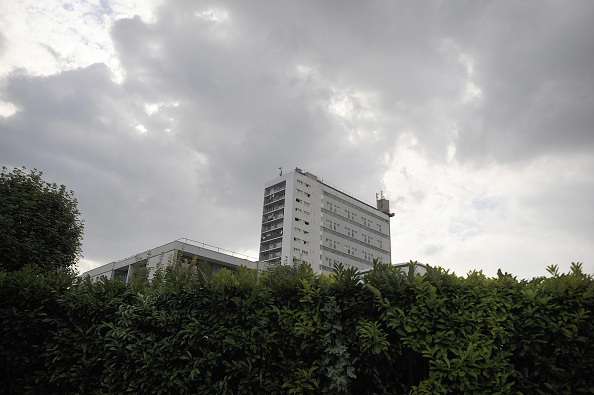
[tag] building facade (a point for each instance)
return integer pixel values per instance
(216, 257)
(307, 220)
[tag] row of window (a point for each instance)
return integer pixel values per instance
(334, 263)
(332, 225)
(306, 204)
(332, 207)
(300, 252)
(298, 240)
(300, 192)
(368, 256)
(297, 209)
(299, 230)
(351, 232)
(302, 183)
(352, 216)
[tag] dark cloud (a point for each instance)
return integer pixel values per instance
(217, 95)
(532, 65)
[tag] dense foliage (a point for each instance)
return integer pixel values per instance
(39, 222)
(292, 331)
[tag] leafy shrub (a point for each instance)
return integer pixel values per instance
(289, 330)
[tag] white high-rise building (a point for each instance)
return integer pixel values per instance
(308, 220)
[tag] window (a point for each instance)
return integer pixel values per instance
(379, 227)
(305, 242)
(307, 185)
(306, 223)
(296, 249)
(306, 212)
(306, 204)
(299, 182)
(304, 252)
(298, 200)
(297, 230)
(305, 232)
(297, 219)
(296, 239)
(298, 210)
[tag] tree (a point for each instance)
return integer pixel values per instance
(39, 222)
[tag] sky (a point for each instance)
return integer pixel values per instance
(166, 118)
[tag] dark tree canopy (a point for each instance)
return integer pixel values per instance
(39, 222)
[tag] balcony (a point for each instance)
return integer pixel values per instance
(274, 198)
(270, 246)
(272, 235)
(273, 208)
(271, 218)
(275, 188)
(270, 255)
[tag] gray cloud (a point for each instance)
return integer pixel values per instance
(217, 95)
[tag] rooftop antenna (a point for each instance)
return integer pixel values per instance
(281, 171)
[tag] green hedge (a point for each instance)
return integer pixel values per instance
(292, 331)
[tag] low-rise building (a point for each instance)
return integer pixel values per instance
(216, 257)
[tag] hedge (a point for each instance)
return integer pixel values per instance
(292, 331)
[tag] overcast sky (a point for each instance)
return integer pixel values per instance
(476, 119)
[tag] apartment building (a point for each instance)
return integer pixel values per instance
(308, 220)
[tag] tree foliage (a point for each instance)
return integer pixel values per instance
(39, 222)
(293, 331)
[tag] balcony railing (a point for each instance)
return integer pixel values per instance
(271, 246)
(273, 208)
(275, 235)
(270, 255)
(270, 218)
(274, 190)
(274, 199)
